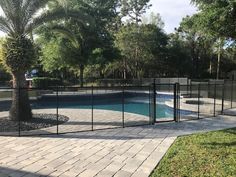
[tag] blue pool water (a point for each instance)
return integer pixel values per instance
(136, 105)
(163, 111)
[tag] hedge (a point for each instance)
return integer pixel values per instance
(44, 82)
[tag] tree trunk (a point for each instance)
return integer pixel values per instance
(81, 75)
(20, 108)
(124, 69)
(210, 66)
(218, 65)
(221, 43)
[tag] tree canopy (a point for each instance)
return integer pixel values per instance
(119, 39)
(217, 16)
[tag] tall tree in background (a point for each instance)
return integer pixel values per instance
(199, 43)
(55, 55)
(218, 17)
(20, 18)
(95, 43)
(154, 19)
(179, 62)
(134, 9)
(229, 59)
(149, 45)
(100, 38)
(80, 47)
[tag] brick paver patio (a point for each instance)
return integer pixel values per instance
(116, 152)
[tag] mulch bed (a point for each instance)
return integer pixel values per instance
(38, 121)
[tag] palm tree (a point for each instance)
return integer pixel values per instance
(20, 18)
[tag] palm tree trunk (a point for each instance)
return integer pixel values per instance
(20, 108)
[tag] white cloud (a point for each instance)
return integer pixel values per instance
(172, 11)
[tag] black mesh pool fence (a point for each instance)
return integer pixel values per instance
(57, 110)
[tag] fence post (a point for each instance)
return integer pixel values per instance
(150, 115)
(18, 107)
(92, 107)
(215, 100)
(223, 98)
(187, 87)
(154, 102)
(123, 106)
(232, 89)
(178, 102)
(169, 85)
(57, 110)
(199, 94)
(175, 102)
(190, 89)
(208, 89)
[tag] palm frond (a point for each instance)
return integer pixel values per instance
(67, 34)
(7, 8)
(31, 7)
(6, 5)
(17, 3)
(13, 14)
(4, 25)
(57, 14)
(63, 3)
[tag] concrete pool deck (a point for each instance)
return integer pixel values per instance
(120, 152)
(206, 109)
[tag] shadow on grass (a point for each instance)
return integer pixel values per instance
(217, 145)
(231, 131)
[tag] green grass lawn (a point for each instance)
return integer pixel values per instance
(207, 154)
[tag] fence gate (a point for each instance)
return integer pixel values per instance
(165, 103)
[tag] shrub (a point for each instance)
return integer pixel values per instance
(45, 82)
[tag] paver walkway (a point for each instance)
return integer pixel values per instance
(119, 152)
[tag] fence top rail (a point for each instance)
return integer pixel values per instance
(79, 88)
(205, 84)
(165, 84)
(111, 87)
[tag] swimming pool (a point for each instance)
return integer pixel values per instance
(136, 103)
(163, 111)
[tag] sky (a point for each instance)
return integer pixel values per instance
(171, 11)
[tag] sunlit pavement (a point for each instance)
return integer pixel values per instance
(116, 152)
